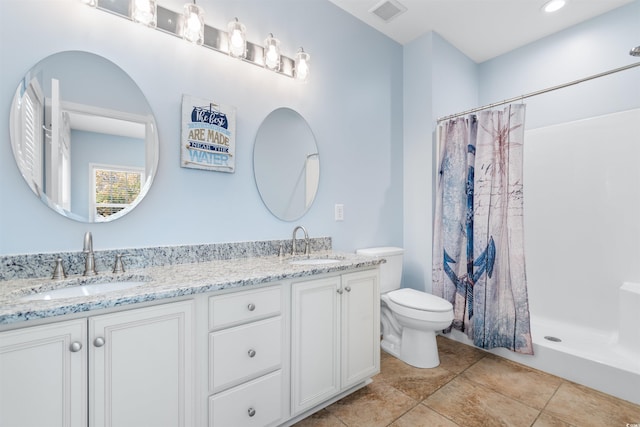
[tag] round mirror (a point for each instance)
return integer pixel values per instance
(83, 136)
(286, 164)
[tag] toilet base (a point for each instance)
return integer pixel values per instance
(416, 348)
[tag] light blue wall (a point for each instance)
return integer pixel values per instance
(438, 80)
(586, 49)
(353, 103)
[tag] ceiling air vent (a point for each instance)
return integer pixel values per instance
(387, 10)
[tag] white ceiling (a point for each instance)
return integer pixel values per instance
(481, 29)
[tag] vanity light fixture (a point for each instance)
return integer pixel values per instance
(302, 65)
(231, 41)
(193, 23)
(553, 5)
(144, 12)
(272, 53)
(237, 34)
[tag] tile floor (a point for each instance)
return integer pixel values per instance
(472, 388)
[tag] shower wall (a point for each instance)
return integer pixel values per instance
(582, 211)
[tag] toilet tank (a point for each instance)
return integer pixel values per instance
(390, 271)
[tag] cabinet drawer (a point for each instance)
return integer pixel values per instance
(242, 307)
(256, 403)
(244, 352)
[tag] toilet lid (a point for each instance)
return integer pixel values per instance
(419, 300)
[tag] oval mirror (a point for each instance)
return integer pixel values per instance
(83, 136)
(286, 164)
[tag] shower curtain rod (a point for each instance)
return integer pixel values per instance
(539, 92)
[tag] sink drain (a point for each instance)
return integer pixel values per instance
(554, 339)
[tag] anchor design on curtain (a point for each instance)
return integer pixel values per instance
(478, 228)
(485, 262)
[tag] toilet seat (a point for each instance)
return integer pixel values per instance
(416, 300)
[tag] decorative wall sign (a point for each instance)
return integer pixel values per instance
(208, 135)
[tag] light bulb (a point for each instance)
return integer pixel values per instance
(302, 65)
(144, 12)
(272, 53)
(237, 39)
(193, 27)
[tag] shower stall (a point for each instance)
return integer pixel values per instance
(582, 248)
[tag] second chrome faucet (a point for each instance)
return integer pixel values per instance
(307, 247)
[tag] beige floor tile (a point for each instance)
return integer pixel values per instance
(415, 382)
(456, 356)
(421, 416)
(489, 391)
(377, 404)
(322, 418)
(585, 407)
(470, 404)
(532, 387)
(546, 420)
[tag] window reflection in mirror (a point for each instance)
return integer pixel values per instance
(75, 110)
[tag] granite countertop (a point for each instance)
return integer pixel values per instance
(163, 282)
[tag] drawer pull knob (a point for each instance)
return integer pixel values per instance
(75, 347)
(251, 412)
(348, 289)
(251, 307)
(251, 353)
(340, 291)
(98, 342)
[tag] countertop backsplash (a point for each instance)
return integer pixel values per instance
(35, 265)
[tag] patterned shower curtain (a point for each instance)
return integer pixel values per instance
(478, 247)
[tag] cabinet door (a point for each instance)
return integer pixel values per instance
(315, 326)
(141, 367)
(360, 327)
(43, 375)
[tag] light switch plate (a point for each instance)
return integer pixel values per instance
(339, 212)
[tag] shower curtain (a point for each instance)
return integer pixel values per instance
(478, 246)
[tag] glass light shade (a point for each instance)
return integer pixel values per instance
(237, 39)
(144, 12)
(193, 24)
(272, 53)
(302, 65)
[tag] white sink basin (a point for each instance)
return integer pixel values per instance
(314, 261)
(84, 290)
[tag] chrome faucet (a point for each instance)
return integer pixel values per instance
(90, 261)
(307, 248)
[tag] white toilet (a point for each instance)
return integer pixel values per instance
(409, 318)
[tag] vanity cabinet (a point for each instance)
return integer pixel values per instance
(141, 367)
(43, 375)
(134, 368)
(246, 357)
(335, 329)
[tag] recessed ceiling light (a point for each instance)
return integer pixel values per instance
(553, 5)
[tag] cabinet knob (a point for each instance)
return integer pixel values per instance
(251, 307)
(251, 412)
(251, 353)
(340, 291)
(348, 289)
(75, 346)
(98, 342)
